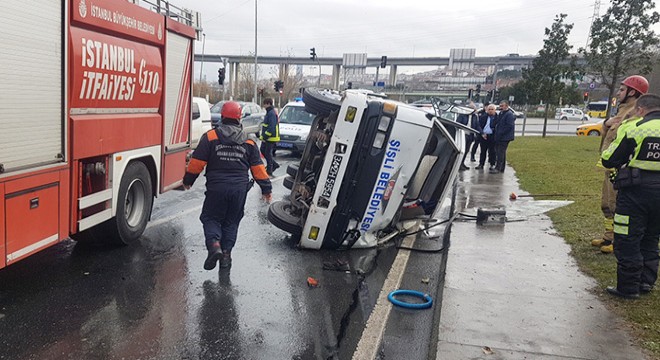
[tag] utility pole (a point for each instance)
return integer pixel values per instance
(201, 67)
(254, 99)
(593, 18)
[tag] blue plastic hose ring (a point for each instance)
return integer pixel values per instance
(418, 294)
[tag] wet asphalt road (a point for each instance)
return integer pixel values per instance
(153, 300)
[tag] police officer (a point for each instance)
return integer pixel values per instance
(636, 153)
(630, 90)
(270, 135)
(227, 154)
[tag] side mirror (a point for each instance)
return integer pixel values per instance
(246, 115)
(196, 115)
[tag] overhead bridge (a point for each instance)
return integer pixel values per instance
(233, 62)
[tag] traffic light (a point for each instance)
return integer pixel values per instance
(585, 96)
(278, 85)
(478, 90)
(497, 95)
(349, 85)
(221, 76)
(312, 53)
(383, 62)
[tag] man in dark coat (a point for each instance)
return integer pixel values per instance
(472, 121)
(270, 135)
(487, 138)
(504, 133)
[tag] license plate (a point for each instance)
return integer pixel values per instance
(284, 145)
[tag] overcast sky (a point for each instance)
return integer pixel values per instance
(394, 28)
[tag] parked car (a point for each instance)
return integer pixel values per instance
(517, 114)
(252, 115)
(201, 119)
(570, 114)
(590, 129)
(368, 164)
(295, 124)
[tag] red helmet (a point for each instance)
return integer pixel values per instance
(638, 83)
(231, 110)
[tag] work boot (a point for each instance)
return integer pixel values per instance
(472, 159)
(607, 247)
(645, 288)
(480, 167)
(215, 253)
(614, 291)
(225, 261)
(597, 242)
(463, 168)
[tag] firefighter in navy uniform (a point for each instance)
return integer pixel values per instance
(636, 154)
(227, 154)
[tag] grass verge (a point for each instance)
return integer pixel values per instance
(566, 165)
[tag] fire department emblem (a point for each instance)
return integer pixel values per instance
(160, 32)
(82, 8)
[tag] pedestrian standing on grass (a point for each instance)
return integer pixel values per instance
(631, 88)
(227, 154)
(635, 152)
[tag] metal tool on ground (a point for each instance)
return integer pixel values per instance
(514, 196)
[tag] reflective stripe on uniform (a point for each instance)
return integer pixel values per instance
(621, 229)
(212, 135)
(622, 219)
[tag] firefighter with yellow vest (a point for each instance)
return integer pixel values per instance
(227, 154)
(270, 135)
(631, 88)
(635, 153)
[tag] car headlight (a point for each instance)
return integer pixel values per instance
(303, 137)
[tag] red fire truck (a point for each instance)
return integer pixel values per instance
(95, 112)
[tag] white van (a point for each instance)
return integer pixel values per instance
(201, 119)
(295, 125)
(368, 164)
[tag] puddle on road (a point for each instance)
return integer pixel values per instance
(523, 209)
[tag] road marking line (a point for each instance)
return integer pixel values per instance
(369, 344)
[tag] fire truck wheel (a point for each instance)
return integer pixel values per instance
(280, 214)
(321, 101)
(133, 203)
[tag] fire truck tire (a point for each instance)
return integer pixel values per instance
(321, 101)
(280, 215)
(134, 203)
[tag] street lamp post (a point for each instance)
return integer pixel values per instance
(201, 67)
(254, 99)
